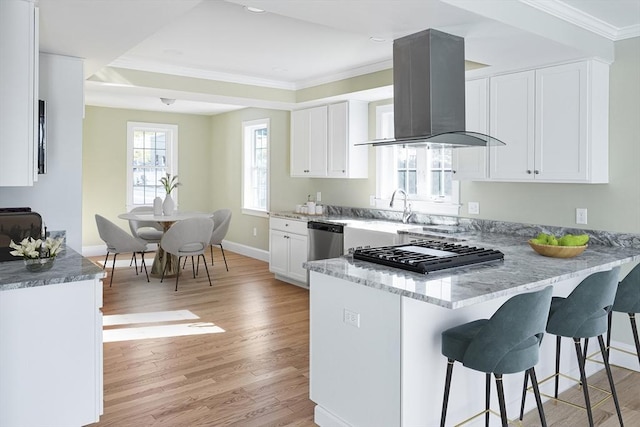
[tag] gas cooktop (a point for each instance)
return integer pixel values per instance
(428, 255)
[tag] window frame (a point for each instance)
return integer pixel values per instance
(386, 174)
(171, 148)
(248, 148)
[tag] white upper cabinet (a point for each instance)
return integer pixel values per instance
(471, 163)
(348, 127)
(309, 142)
(512, 116)
(19, 89)
(323, 141)
(554, 122)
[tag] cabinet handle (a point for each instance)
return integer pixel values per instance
(536, 172)
(528, 171)
(454, 171)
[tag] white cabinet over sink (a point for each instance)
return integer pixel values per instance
(553, 120)
(324, 138)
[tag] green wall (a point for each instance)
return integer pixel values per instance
(104, 159)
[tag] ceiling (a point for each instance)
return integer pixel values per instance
(294, 45)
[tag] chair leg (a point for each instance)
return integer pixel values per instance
(558, 341)
(135, 262)
(211, 248)
(163, 270)
(104, 264)
(178, 274)
(634, 329)
(603, 350)
(503, 407)
(133, 256)
(204, 261)
(193, 266)
(113, 268)
(536, 392)
(524, 394)
(583, 379)
(447, 387)
(144, 265)
(609, 318)
(224, 257)
(487, 398)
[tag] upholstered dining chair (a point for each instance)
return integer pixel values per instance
(119, 241)
(583, 315)
(221, 220)
(149, 231)
(507, 343)
(188, 237)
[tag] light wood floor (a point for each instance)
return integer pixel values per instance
(256, 372)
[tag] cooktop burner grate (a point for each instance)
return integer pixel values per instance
(428, 255)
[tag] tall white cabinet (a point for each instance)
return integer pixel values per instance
(19, 89)
(324, 138)
(554, 121)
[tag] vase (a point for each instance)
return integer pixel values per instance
(168, 206)
(38, 264)
(157, 206)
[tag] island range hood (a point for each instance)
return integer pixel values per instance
(429, 92)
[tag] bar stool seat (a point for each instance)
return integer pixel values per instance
(583, 314)
(506, 343)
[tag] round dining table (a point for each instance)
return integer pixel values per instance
(161, 259)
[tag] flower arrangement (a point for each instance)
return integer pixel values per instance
(169, 183)
(29, 248)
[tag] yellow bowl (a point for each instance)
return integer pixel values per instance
(557, 251)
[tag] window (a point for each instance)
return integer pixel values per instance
(152, 152)
(255, 165)
(424, 173)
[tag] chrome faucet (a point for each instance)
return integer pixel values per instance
(406, 214)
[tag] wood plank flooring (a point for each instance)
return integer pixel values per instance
(256, 372)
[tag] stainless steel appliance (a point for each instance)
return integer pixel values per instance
(428, 255)
(325, 240)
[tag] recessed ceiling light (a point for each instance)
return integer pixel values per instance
(254, 9)
(377, 39)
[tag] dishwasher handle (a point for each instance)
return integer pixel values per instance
(323, 226)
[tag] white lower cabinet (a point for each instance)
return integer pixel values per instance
(51, 355)
(288, 246)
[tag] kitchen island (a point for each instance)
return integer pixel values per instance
(375, 330)
(51, 343)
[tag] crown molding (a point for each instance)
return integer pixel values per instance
(583, 20)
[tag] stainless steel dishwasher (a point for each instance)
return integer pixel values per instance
(325, 240)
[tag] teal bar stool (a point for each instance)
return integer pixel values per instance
(507, 343)
(583, 314)
(628, 301)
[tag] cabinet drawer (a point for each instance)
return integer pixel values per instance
(288, 225)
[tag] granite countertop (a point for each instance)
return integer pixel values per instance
(522, 270)
(69, 266)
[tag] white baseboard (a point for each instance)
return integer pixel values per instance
(324, 418)
(241, 249)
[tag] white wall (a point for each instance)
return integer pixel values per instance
(57, 195)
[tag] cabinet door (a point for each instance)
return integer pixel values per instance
(309, 142)
(278, 252)
(470, 163)
(18, 86)
(338, 140)
(561, 123)
(297, 256)
(512, 121)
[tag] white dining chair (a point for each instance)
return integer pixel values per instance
(149, 231)
(119, 241)
(188, 237)
(221, 220)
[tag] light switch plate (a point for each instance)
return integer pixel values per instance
(581, 215)
(474, 208)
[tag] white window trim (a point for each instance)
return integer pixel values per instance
(172, 155)
(248, 125)
(382, 201)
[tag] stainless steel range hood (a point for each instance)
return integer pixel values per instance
(429, 92)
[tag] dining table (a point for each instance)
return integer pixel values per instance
(161, 262)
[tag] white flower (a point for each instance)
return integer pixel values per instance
(53, 246)
(30, 248)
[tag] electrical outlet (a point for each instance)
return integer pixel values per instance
(581, 215)
(318, 196)
(474, 208)
(255, 231)
(351, 318)
(372, 200)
